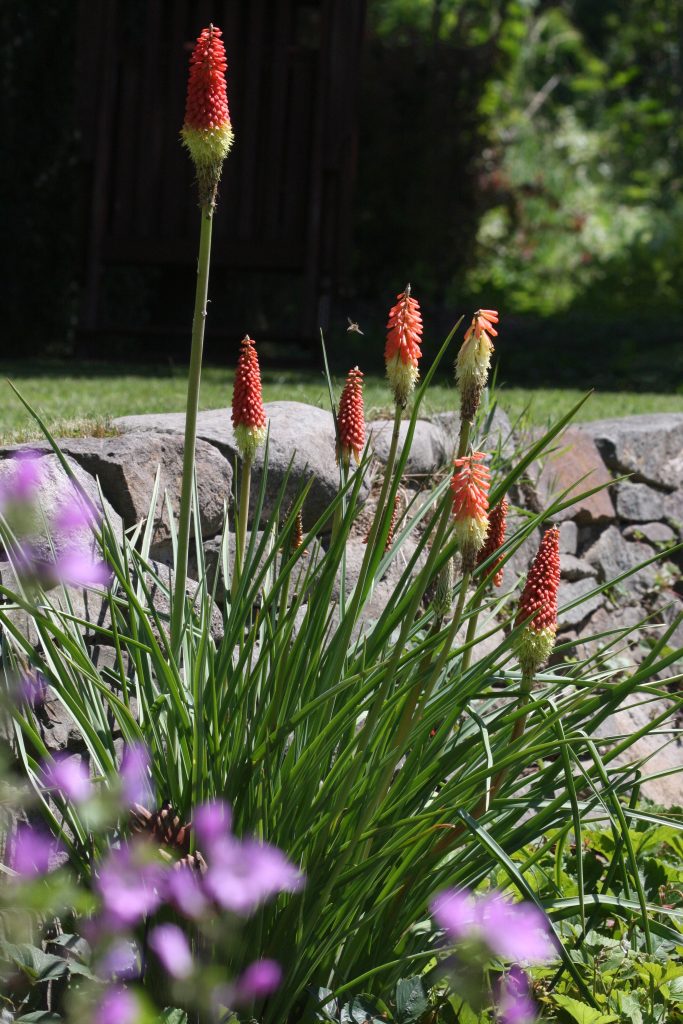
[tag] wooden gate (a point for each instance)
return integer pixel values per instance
(286, 193)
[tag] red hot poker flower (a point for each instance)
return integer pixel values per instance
(351, 418)
(207, 132)
(473, 361)
(539, 598)
(248, 412)
(495, 539)
(470, 490)
(402, 350)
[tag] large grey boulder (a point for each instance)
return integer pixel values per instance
(651, 533)
(299, 433)
(647, 446)
(126, 466)
(569, 618)
(612, 556)
(638, 503)
(427, 451)
(574, 459)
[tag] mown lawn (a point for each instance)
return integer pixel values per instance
(80, 398)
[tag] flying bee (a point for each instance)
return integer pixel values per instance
(353, 326)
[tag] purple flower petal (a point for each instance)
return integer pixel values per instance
(171, 946)
(515, 931)
(185, 893)
(258, 981)
(76, 513)
(515, 1005)
(33, 851)
(455, 912)
(27, 477)
(120, 961)
(129, 885)
(70, 776)
(211, 822)
(134, 773)
(77, 568)
(242, 875)
(117, 1006)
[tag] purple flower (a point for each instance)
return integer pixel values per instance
(258, 981)
(129, 885)
(242, 875)
(134, 771)
(77, 568)
(32, 688)
(212, 821)
(117, 1006)
(513, 931)
(120, 960)
(33, 851)
(170, 945)
(28, 475)
(455, 912)
(70, 776)
(515, 1005)
(76, 513)
(185, 892)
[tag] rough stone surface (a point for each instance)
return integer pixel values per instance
(299, 433)
(569, 537)
(659, 751)
(54, 495)
(126, 466)
(427, 452)
(652, 533)
(648, 446)
(568, 592)
(638, 503)
(573, 568)
(612, 555)
(492, 432)
(576, 458)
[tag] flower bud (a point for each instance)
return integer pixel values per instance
(443, 595)
(495, 539)
(248, 413)
(207, 132)
(402, 350)
(351, 419)
(470, 489)
(539, 599)
(473, 361)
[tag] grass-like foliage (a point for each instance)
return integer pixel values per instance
(365, 750)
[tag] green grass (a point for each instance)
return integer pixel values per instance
(79, 398)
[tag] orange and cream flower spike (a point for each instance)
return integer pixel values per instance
(351, 418)
(248, 413)
(207, 132)
(474, 360)
(470, 494)
(402, 350)
(539, 599)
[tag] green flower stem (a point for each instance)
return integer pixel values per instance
(241, 537)
(193, 383)
(517, 733)
(388, 473)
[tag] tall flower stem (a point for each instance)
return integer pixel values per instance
(241, 538)
(388, 474)
(193, 384)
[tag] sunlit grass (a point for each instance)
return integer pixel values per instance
(82, 398)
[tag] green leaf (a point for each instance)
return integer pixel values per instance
(39, 1017)
(361, 1010)
(411, 1000)
(172, 1015)
(582, 1013)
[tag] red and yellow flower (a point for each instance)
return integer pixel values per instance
(538, 605)
(470, 495)
(474, 360)
(402, 351)
(248, 412)
(351, 418)
(495, 538)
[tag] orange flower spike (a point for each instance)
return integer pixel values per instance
(248, 413)
(402, 351)
(474, 360)
(539, 599)
(207, 132)
(470, 494)
(495, 539)
(351, 418)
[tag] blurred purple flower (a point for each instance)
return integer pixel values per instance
(211, 822)
(117, 1006)
(185, 893)
(76, 513)
(33, 851)
(258, 980)
(78, 568)
(170, 945)
(134, 772)
(130, 885)
(513, 931)
(515, 1005)
(70, 776)
(119, 960)
(32, 688)
(243, 874)
(27, 477)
